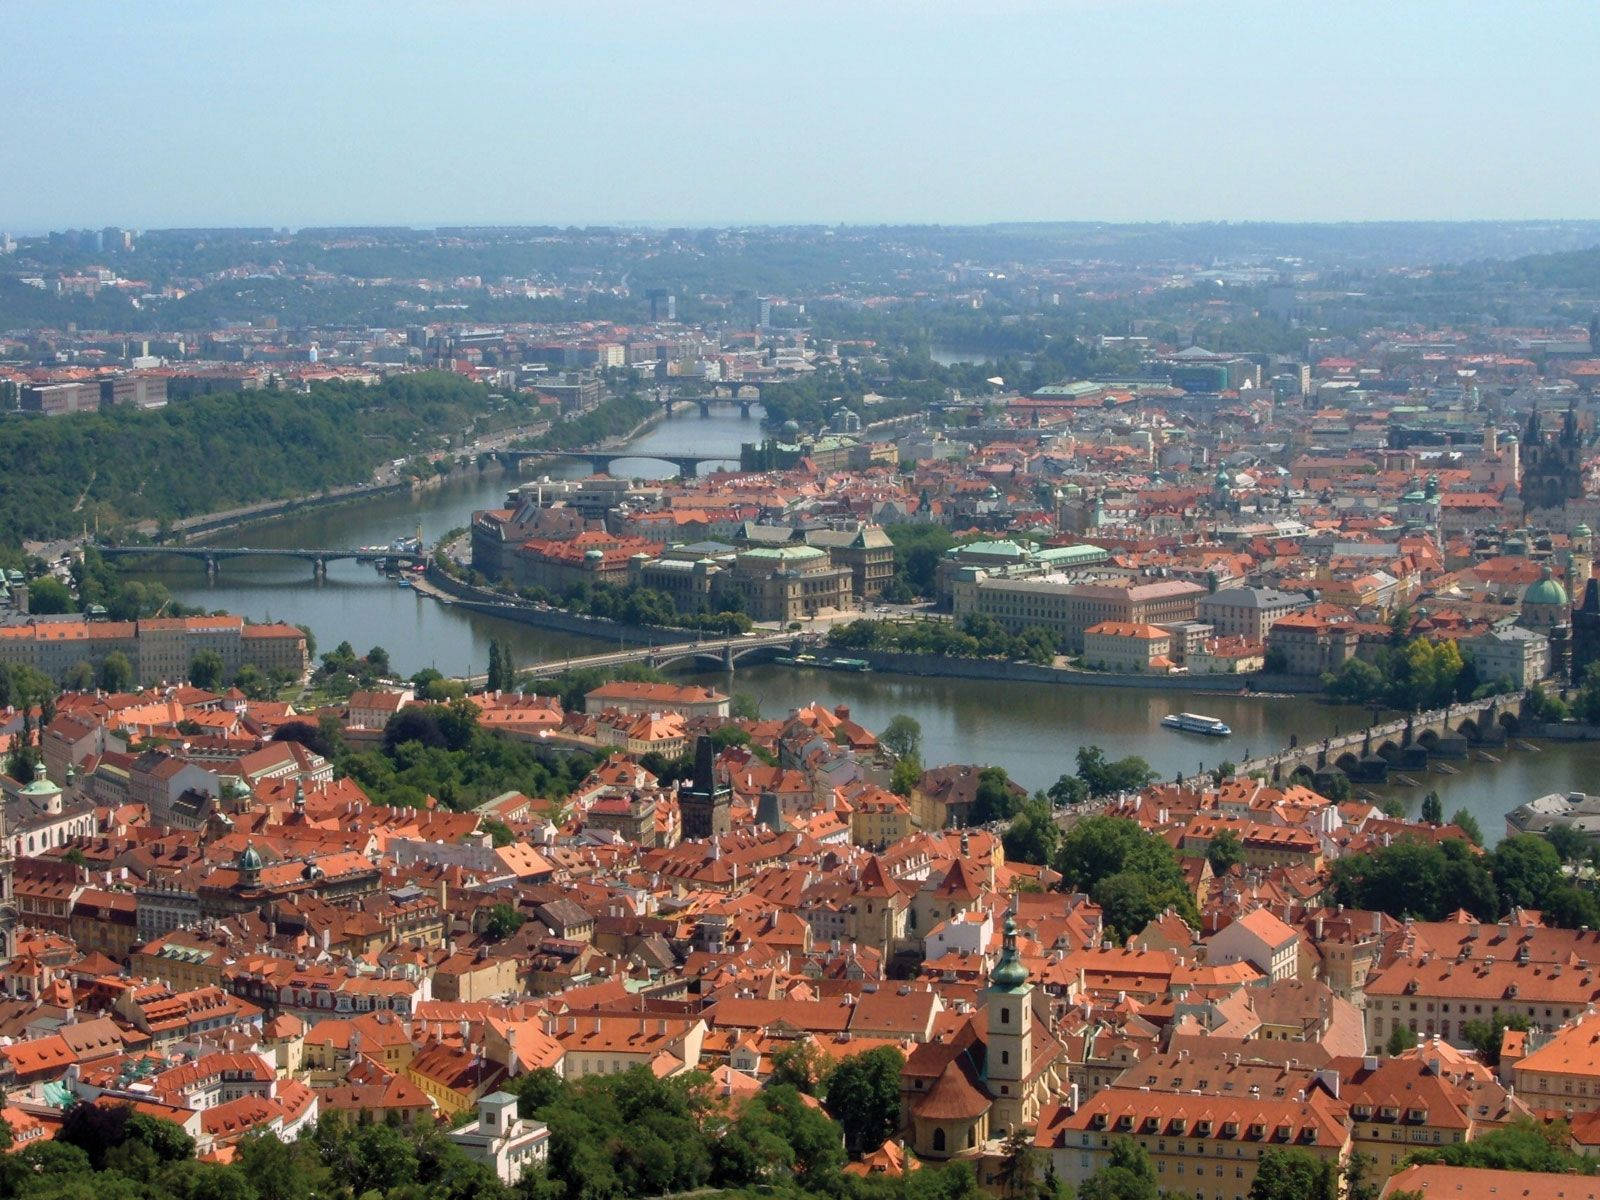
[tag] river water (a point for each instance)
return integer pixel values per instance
(1033, 730)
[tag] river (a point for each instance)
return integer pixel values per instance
(1033, 730)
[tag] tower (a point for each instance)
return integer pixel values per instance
(703, 804)
(1008, 1058)
(1586, 630)
(1552, 466)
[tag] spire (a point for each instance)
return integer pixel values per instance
(1009, 974)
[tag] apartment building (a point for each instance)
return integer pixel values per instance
(1067, 609)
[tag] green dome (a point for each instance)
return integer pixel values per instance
(249, 858)
(1583, 530)
(41, 786)
(1547, 591)
(1009, 971)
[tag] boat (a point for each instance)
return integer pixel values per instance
(847, 664)
(1196, 723)
(796, 660)
(403, 582)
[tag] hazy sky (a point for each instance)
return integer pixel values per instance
(147, 113)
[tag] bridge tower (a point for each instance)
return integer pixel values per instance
(704, 804)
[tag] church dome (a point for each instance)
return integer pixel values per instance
(1547, 591)
(249, 858)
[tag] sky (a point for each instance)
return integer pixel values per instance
(212, 112)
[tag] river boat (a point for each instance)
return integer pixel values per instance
(859, 665)
(1196, 723)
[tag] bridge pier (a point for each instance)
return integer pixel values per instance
(319, 568)
(744, 410)
(705, 408)
(211, 567)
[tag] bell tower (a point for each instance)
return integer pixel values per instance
(1008, 1059)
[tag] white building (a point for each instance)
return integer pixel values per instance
(501, 1140)
(1260, 939)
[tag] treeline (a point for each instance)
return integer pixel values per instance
(1412, 676)
(974, 636)
(1430, 881)
(643, 606)
(108, 469)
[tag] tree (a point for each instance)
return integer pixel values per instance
(1526, 870)
(48, 596)
(1468, 824)
(801, 1065)
(904, 777)
(116, 672)
(996, 798)
(1486, 1035)
(742, 706)
(502, 922)
(1127, 1175)
(1569, 843)
(1523, 1145)
(1068, 789)
(378, 660)
(79, 677)
(1105, 778)
(1292, 1174)
(902, 737)
(1019, 1163)
(863, 1095)
(1033, 836)
(1133, 875)
(1586, 704)
(1433, 809)
(1401, 1039)
(495, 680)
(1224, 852)
(206, 670)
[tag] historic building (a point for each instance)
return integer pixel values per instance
(1552, 463)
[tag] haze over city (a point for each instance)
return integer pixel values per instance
(722, 113)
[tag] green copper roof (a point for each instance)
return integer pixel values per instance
(1009, 973)
(1547, 591)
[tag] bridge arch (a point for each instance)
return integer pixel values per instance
(1469, 729)
(1511, 722)
(1428, 739)
(1347, 762)
(1303, 775)
(1391, 751)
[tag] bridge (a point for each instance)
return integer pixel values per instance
(213, 556)
(601, 461)
(729, 392)
(1368, 755)
(716, 652)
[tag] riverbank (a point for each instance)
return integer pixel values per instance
(444, 588)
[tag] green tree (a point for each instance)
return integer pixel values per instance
(1033, 836)
(742, 706)
(1292, 1174)
(495, 680)
(116, 672)
(902, 737)
(1524, 1145)
(800, 1065)
(1225, 852)
(1127, 1175)
(206, 670)
(863, 1095)
(1068, 789)
(503, 920)
(48, 596)
(1433, 809)
(1468, 824)
(1526, 870)
(1019, 1163)
(1401, 1039)
(1105, 778)
(79, 677)
(1485, 1035)
(1133, 875)
(1570, 844)
(904, 777)
(996, 798)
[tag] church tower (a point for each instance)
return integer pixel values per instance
(1008, 1058)
(704, 807)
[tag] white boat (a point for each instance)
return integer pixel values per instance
(1196, 723)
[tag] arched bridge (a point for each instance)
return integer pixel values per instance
(213, 556)
(714, 652)
(730, 392)
(1405, 743)
(601, 461)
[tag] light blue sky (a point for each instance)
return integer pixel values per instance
(148, 113)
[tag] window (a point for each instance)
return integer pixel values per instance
(938, 1141)
(1005, 1016)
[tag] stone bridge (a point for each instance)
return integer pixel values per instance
(601, 461)
(1406, 743)
(213, 556)
(715, 652)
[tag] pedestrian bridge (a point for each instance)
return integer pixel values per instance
(1406, 743)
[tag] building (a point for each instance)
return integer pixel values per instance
(1198, 1143)
(790, 583)
(1483, 1183)
(1248, 612)
(1552, 463)
(641, 698)
(1563, 1075)
(501, 1140)
(59, 399)
(159, 650)
(1127, 647)
(1510, 652)
(1432, 994)
(1066, 608)
(706, 802)
(1260, 939)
